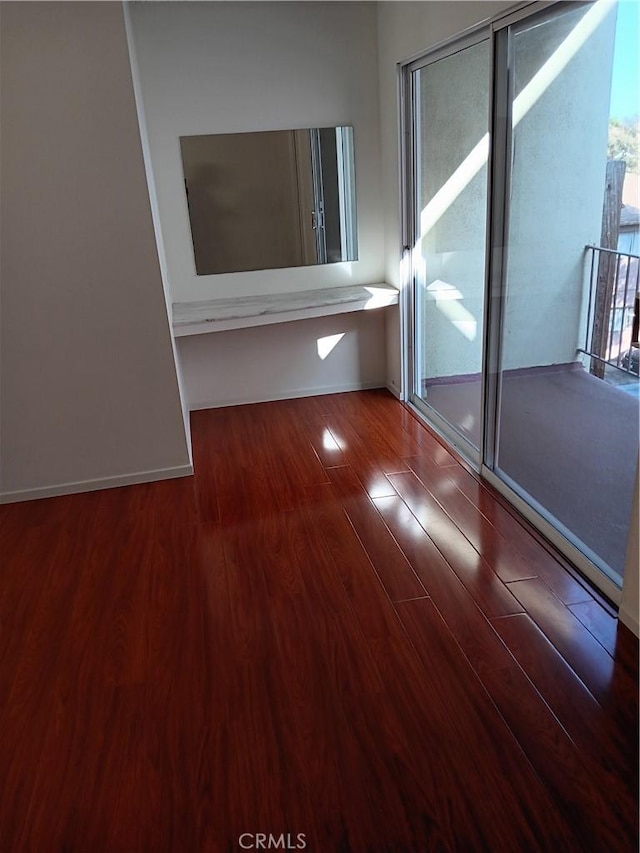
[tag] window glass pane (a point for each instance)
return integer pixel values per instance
(451, 144)
(567, 421)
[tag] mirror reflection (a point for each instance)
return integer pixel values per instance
(271, 199)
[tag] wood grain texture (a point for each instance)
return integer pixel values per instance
(485, 589)
(612, 747)
(600, 623)
(328, 630)
(393, 568)
(611, 685)
(598, 820)
(513, 552)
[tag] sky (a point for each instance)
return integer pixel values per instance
(625, 85)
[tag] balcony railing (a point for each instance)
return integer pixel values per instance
(614, 284)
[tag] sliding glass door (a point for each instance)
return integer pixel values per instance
(450, 99)
(565, 438)
(527, 376)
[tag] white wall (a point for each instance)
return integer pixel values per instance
(406, 29)
(155, 213)
(557, 190)
(559, 156)
(280, 361)
(246, 66)
(88, 385)
(452, 244)
(223, 67)
(546, 308)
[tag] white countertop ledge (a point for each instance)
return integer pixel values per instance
(220, 315)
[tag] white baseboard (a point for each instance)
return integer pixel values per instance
(286, 395)
(629, 620)
(95, 485)
(394, 391)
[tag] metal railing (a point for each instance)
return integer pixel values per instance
(614, 282)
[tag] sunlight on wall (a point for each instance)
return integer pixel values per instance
(447, 299)
(454, 186)
(327, 344)
(529, 96)
(405, 268)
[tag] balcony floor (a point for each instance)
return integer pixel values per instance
(568, 439)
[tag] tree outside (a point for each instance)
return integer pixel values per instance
(624, 138)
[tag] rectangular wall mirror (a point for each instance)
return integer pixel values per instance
(272, 199)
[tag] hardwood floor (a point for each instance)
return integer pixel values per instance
(332, 630)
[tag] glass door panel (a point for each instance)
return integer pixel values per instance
(565, 439)
(450, 144)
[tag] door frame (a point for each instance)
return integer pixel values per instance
(409, 165)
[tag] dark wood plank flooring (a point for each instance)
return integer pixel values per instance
(334, 630)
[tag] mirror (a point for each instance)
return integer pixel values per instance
(272, 199)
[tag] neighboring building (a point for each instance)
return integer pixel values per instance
(629, 236)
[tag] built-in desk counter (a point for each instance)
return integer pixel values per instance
(219, 315)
